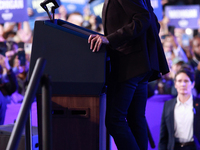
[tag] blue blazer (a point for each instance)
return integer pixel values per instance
(167, 138)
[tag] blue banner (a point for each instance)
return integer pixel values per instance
(13, 11)
(156, 4)
(96, 7)
(38, 11)
(74, 5)
(183, 16)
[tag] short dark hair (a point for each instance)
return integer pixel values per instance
(187, 70)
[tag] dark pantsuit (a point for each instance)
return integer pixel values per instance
(125, 117)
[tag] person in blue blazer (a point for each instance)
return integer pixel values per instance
(180, 124)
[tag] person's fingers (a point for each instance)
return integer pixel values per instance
(91, 37)
(96, 42)
(93, 42)
(98, 39)
(95, 46)
(99, 43)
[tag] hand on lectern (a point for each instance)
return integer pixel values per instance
(96, 41)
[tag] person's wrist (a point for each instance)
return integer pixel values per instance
(106, 41)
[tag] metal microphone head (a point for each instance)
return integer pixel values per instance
(43, 4)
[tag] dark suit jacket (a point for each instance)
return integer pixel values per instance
(167, 138)
(132, 30)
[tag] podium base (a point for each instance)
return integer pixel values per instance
(78, 123)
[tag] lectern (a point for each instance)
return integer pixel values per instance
(78, 78)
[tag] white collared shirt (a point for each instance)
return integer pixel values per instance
(183, 120)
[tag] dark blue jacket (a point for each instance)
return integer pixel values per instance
(167, 139)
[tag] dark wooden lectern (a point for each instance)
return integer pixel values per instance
(78, 77)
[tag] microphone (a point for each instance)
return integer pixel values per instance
(43, 5)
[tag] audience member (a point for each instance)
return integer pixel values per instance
(94, 24)
(62, 13)
(168, 49)
(24, 34)
(177, 49)
(164, 28)
(11, 49)
(179, 130)
(75, 18)
(7, 88)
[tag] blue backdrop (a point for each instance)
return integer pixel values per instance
(13, 11)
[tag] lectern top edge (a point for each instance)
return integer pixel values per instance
(71, 28)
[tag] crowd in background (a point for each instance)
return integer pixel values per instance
(181, 46)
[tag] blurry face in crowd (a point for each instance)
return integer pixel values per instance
(75, 19)
(183, 84)
(62, 10)
(92, 19)
(167, 46)
(196, 48)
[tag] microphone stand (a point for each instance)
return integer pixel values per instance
(53, 12)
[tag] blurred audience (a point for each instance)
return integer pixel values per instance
(179, 47)
(75, 18)
(7, 87)
(94, 23)
(62, 13)
(18, 60)
(174, 47)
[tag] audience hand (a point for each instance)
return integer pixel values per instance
(4, 62)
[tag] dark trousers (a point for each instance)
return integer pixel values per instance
(188, 147)
(125, 114)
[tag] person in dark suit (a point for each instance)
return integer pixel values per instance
(180, 125)
(136, 56)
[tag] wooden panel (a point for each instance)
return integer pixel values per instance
(75, 123)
